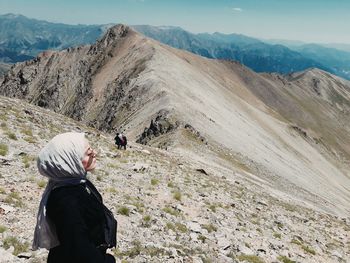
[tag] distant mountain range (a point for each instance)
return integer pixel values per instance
(255, 54)
(22, 38)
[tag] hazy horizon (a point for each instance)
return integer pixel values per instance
(306, 21)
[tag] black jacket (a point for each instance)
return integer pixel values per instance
(80, 221)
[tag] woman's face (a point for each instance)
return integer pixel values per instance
(89, 159)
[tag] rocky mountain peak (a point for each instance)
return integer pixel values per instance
(114, 34)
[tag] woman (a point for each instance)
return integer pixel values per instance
(72, 221)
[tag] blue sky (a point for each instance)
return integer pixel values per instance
(321, 21)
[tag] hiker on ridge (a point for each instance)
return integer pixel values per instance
(72, 221)
(120, 140)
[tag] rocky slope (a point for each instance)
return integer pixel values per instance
(169, 208)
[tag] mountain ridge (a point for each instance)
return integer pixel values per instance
(126, 81)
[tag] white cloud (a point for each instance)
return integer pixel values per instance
(237, 9)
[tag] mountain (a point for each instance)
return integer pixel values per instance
(251, 52)
(294, 128)
(337, 60)
(237, 165)
(344, 47)
(22, 38)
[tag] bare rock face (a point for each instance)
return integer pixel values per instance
(159, 126)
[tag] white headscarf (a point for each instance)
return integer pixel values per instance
(61, 161)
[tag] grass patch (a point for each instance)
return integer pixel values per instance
(296, 242)
(202, 238)
(154, 181)
(171, 184)
(134, 251)
(27, 131)
(177, 227)
(124, 211)
(138, 249)
(308, 249)
(3, 149)
(19, 247)
(146, 221)
(113, 165)
(14, 199)
(181, 227)
(284, 259)
(2, 229)
(171, 211)
(210, 228)
(29, 139)
(112, 190)
(250, 258)
(170, 226)
(147, 218)
(212, 208)
(304, 247)
(177, 196)
(27, 159)
(11, 135)
(277, 235)
(41, 183)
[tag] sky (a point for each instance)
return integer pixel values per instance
(311, 21)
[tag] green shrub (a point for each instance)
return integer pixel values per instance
(212, 207)
(3, 149)
(171, 211)
(250, 258)
(146, 218)
(284, 259)
(170, 226)
(12, 136)
(41, 183)
(154, 181)
(2, 229)
(124, 211)
(30, 139)
(308, 249)
(146, 221)
(295, 241)
(181, 227)
(210, 228)
(277, 235)
(27, 159)
(202, 238)
(27, 131)
(14, 199)
(177, 196)
(19, 247)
